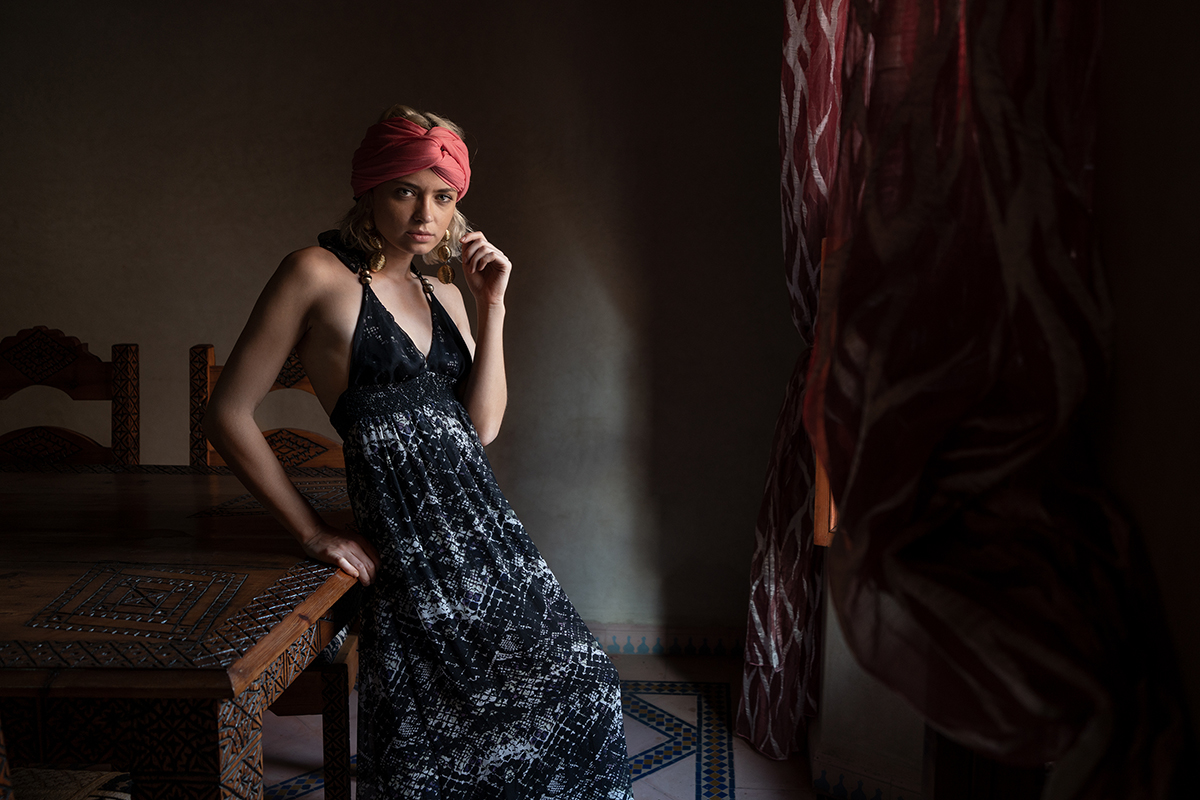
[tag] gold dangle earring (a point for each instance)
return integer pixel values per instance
(376, 261)
(445, 271)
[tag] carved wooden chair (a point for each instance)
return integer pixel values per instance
(293, 447)
(41, 356)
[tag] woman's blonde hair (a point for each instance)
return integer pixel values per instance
(355, 228)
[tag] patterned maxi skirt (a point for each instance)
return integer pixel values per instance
(477, 679)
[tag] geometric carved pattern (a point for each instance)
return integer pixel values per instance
(38, 356)
(292, 371)
(335, 733)
(19, 716)
(220, 647)
(291, 449)
(40, 446)
(158, 601)
(240, 719)
(41, 356)
(126, 404)
(175, 748)
(322, 495)
(201, 359)
(241, 631)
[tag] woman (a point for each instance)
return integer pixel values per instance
(477, 679)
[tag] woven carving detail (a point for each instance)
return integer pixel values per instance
(38, 356)
(292, 371)
(126, 405)
(240, 742)
(335, 731)
(142, 600)
(39, 445)
(243, 630)
(292, 449)
(240, 719)
(179, 748)
(21, 735)
(201, 358)
(220, 648)
(71, 726)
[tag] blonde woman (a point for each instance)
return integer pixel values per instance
(478, 679)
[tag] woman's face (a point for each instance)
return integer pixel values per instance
(413, 212)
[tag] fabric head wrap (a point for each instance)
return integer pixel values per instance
(397, 147)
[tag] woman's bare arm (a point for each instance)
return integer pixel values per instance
(280, 318)
(486, 394)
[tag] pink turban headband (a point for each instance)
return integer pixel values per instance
(397, 147)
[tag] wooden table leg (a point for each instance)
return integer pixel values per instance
(175, 749)
(198, 750)
(222, 738)
(192, 749)
(335, 733)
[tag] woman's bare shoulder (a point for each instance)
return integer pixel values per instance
(451, 299)
(308, 272)
(449, 296)
(312, 263)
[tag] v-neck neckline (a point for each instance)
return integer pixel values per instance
(432, 324)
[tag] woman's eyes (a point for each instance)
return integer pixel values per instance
(404, 191)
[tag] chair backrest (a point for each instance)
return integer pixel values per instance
(293, 446)
(41, 356)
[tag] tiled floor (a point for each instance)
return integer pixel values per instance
(676, 723)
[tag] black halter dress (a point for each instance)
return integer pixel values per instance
(477, 677)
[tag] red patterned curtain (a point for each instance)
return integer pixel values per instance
(980, 570)
(782, 667)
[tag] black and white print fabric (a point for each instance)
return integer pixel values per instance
(478, 680)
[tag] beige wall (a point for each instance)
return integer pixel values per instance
(158, 163)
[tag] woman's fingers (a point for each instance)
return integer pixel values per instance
(368, 557)
(357, 567)
(345, 565)
(348, 551)
(477, 252)
(366, 569)
(362, 566)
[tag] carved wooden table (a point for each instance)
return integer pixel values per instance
(148, 617)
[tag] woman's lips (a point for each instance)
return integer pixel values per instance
(420, 236)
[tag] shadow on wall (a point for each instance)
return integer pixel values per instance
(671, 342)
(625, 156)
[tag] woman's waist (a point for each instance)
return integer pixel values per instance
(375, 400)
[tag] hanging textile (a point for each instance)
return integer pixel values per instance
(979, 570)
(782, 663)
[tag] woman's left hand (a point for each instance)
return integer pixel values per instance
(485, 268)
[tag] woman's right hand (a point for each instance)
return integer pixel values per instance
(346, 549)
